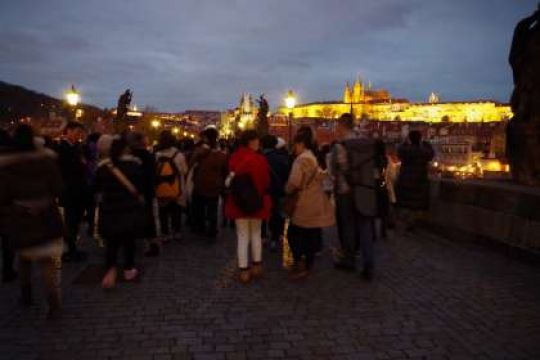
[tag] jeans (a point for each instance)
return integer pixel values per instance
(170, 211)
(113, 248)
(304, 242)
(205, 209)
(73, 216)
(248, 232)
(354, 229)
(277, 222)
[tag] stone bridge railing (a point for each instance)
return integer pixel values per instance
(499, 212)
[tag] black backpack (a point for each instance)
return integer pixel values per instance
(245, 194)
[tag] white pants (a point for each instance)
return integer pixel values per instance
(248, 231)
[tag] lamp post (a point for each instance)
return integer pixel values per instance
(290, 103)
(73, 98)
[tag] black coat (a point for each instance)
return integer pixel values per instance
(412, 189)
(280, 167)
(30, 183)
(121, 214)
(74, 173)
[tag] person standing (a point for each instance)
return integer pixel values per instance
(8, 255)
(120, 184)
(30, 183)
(249, 202)
(353, 164)
(412, 188)
(312, 211)
(208, 183)
(75, 194)
(171, 170)
(278, 159)
(138, 148)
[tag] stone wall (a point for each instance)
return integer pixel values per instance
(498, 212)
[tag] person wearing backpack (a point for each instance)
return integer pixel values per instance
(354, 167)
(248, 202)
(312, 210)
(171, 169)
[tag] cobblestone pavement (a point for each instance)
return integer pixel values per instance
(431, 299)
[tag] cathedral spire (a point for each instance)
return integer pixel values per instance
(358, 90)
(347, 94)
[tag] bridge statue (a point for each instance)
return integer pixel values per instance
(122, 109)
(523, 131)
(262, 116)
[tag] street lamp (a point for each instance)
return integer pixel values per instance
(73, 97)
(290, 103)
(156, 124)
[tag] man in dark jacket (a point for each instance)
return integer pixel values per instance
(138, 149)
(412, 189)
(278, 159)
(74, 196)
(8, 255)
(208, 182)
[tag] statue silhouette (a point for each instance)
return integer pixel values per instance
(523, 131)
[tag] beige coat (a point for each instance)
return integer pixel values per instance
(314, 209)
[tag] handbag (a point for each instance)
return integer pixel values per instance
(290, 202)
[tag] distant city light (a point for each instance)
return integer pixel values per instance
(156, 124)
(290, 100)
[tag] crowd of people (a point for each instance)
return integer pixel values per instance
(124, 190)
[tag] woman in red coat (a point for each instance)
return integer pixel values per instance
(247, 162)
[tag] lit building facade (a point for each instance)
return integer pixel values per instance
(367, 103)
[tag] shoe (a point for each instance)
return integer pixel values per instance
(367, 274)
(131, 274)
(74, 256)
(245, 276)
(109, 280)
(153, 250)
(9, 276)
(257, 271)
(344, 266)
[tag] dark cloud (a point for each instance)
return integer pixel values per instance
(179, 54)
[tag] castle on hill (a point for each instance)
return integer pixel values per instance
(364, 102)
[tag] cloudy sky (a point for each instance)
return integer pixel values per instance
(202, 54)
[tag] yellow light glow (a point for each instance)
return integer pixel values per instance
(73, 97)
(290, 100)
(185, 134)
(192, 136)
(175, 130)
(156, 124)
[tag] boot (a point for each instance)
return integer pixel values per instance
(245, 276)
(298, 272)
(109, 280)
(257, 271)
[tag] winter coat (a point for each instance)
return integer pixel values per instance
(246, 161)
(278, 160)
(210, 172)
(120, 212)
(313, 209)
(412, 189)
(74, 174)
(30, 183)
(148, 163)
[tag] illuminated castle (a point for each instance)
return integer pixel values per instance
(377, 104)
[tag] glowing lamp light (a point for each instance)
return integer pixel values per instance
(290, 100)
(185, 134)
(156, 124)
(73, 97)
(175, 131)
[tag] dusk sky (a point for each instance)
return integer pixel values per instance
(202, 54)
